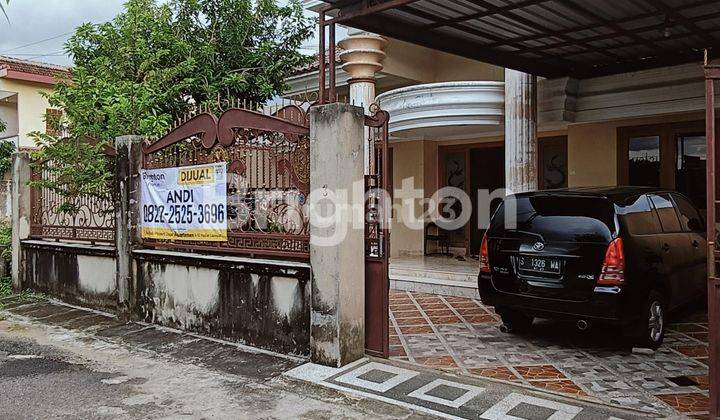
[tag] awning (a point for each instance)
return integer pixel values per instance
(551, 38)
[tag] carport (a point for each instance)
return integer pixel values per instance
(549, 38)
(462, 336)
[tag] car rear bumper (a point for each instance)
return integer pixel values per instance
(612, 305)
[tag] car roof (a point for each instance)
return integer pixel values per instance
(615, 194)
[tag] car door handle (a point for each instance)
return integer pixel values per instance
(665, 247)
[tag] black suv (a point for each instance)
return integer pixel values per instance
(625, 255)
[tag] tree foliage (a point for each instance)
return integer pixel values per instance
(156, 61)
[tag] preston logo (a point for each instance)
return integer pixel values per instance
(538, 246)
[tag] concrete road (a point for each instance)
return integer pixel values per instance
(71, 364)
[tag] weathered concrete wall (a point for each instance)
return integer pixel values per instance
(338, 289)
(74, 273)
(262, 303)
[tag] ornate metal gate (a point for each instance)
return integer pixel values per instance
(378, 206)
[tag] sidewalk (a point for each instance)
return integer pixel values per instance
(62, 362)
(131, 370)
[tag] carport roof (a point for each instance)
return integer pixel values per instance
(550, 38)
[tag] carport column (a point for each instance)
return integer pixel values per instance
(127, 219)
(21, 210)
(520, 132)
(362, 57)
(337, 252)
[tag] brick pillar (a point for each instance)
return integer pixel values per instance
(337, 335)
(20, 213)
(127, 197)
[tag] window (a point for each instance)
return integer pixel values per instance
(639, 217)
(666, 212)
(690, 168)
(644, 161)
(690, 219)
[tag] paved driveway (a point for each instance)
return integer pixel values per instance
(461, 335)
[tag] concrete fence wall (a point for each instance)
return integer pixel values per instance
(284, 306)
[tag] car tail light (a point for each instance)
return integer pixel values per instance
(613, 269)
(484, 259)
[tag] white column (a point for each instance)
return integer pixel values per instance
(362, 57)
(520, 132)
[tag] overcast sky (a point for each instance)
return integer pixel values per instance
(48, 23)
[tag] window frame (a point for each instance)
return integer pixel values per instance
(675, 212)
(679, 213)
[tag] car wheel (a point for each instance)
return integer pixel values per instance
(654, 320)
(515, 321)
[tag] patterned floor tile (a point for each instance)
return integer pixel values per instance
(610, 387)
(659, 384)
(437, 361)
(479, 360)
(686, 403)
(501, 373)
(701, 336)
(523, 358)
(411, 321)
(565, 386)
(416, 329)
(635, 401)
(703, 382)
(679, 339)
(539, 372)
(477, 319)
(444, 319)
(687, 328)
(693, 351)
(397, 351)
(586, 371)
(462, 335)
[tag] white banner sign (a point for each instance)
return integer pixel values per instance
(188, 203)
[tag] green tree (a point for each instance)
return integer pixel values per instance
(156, 61)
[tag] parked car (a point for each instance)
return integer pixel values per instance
(623, 255)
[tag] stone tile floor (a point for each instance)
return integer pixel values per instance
(461, 336)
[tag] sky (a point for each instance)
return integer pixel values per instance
(47, 24)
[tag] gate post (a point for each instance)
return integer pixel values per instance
(21, 213)
(127, 184)
(337, 320)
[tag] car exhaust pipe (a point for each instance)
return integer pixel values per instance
(583, 325)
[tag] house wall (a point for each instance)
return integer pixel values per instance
(592, 148)
(31, 106)
(408, 163)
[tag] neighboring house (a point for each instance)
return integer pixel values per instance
(22, 104)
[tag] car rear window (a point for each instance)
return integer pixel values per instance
(558, 218)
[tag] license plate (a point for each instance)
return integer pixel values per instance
(539, 264)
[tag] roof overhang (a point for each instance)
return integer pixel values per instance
(550, 38)
(7, 73)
